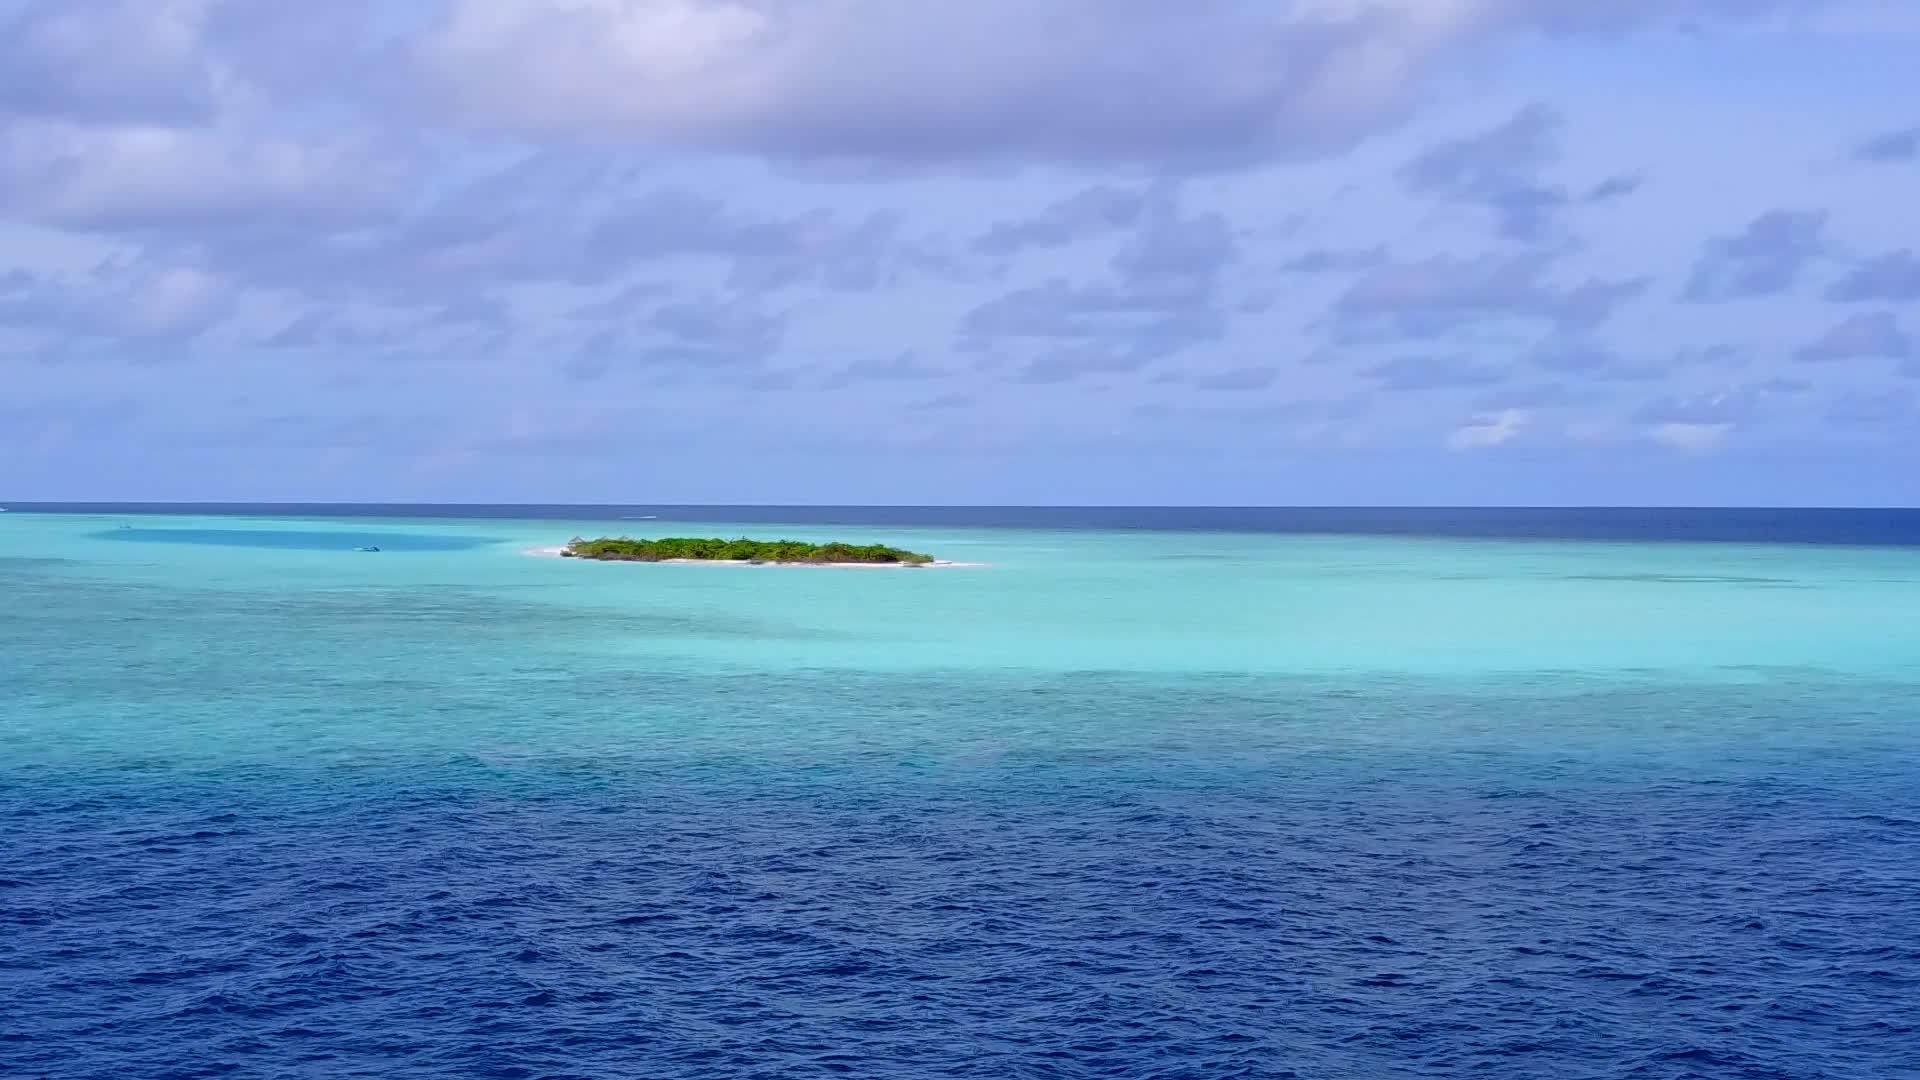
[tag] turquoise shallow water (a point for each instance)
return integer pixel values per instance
(1114, 803)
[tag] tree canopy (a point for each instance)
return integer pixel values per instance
(625, 549)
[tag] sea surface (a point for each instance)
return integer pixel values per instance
(1156, 794)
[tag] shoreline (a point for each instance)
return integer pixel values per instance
(937, 564)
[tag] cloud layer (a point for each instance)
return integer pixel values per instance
(468, 235)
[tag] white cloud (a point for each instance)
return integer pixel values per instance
(145, 176)
(171, 301)
(140, 302)
(110, 60)
(1093, 80)
(1694, 438)
(1490, 430)
(1066, 80)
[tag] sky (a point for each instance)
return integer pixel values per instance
(1264, 252)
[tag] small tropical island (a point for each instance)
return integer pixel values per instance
(750, 552)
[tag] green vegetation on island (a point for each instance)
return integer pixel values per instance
(741, 550)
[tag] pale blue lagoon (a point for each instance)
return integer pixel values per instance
(1115, 802)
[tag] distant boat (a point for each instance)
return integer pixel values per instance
(366, 549)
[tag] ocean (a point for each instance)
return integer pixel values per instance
(1149, 793)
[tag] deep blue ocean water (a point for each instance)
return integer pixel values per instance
(1149, 794)
(1846, 526)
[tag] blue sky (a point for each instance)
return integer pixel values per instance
(1081, 251)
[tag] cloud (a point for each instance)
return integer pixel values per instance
(581, 219)
(1058, 309)
(138, 304)
(144, 178)
(1490, 430)
(1871, 335)
(1892, 278)
(1432, 373)
(894, 367)
(1242, 378)
(330, 329)
(1888, 407)
(1439, 295)
(1699, 416)
(1614, 187)
(130, 115)
(582, 222)
(1533, 397)
(485, 314)
(694, 332)
(1498, 170)
(1162, 294)
(1890, 147)
(1077, 81)
(1764, 259)
(197, 63)
(1123, 342)
(935, 205)
(1724, 355)
(764, 252)
(1587, 360)
(1066, 364)
(109, 61)
(1093, 210)
(1176, 257)
(714, 329)
(1334, 260)
(944, 402)
(1691, 437)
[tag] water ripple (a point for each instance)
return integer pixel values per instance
(663, 924)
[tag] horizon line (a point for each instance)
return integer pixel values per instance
(121, 503)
